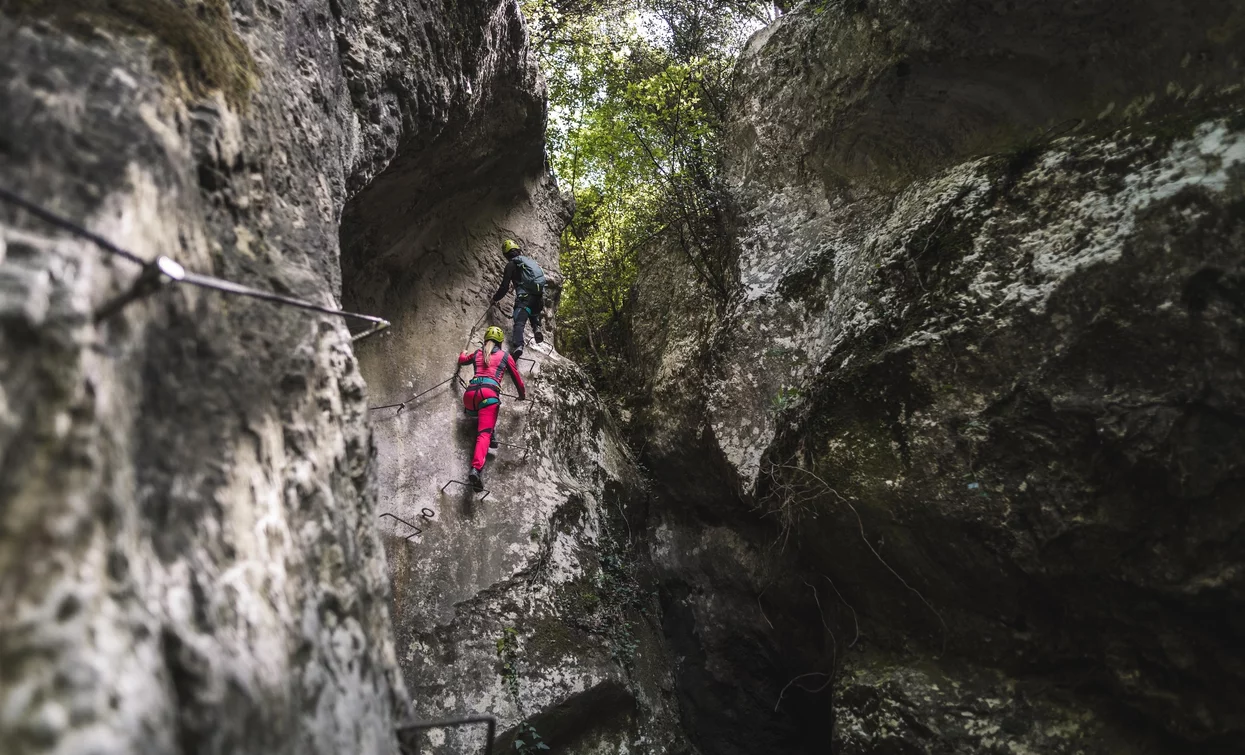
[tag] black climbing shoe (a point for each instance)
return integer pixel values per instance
(477, 484)
(517, 352)
(538, 334)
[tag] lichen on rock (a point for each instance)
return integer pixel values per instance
(955, 466)
(978, 373)
(196, 42)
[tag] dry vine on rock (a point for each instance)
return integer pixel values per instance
(796, 493)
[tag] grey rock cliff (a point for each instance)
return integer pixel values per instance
(975, 412)
(964, 476)
(189, 554)
(535, 601)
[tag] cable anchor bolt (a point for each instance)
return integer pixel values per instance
(155, 275)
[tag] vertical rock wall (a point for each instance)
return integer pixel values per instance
(189, 558)
(535, 601)
(977, 401)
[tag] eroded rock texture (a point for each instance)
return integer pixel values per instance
(963, 472)
(978, 397)
(189, 558)
(535, 602)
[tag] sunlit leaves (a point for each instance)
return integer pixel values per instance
(637, 92)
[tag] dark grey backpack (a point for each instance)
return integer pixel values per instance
(531, 276)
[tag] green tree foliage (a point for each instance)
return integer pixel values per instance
(637, 98)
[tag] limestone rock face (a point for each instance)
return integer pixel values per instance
(535, 601)
(189, 553)
(980, 387)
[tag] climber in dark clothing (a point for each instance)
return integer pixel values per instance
(483, 395)
(529, 294)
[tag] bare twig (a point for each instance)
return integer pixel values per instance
(811, 691)
(834, 650)
(861, 524)
(630, 539)
(762, 608)
(849, 607)
(821, 614)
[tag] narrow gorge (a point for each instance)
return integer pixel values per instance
(943, 452)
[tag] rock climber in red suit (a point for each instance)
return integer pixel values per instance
(483, 395)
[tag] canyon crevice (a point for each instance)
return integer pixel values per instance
(955, 465)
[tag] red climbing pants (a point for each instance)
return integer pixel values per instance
(486, 419)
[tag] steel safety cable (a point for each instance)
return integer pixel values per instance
(402, 404)
(165, 269)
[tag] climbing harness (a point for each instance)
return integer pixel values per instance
(497, 365)
(425, 514)
(163, 270)
(406, 731)
(463, 384)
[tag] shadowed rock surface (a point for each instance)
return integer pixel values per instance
(978, 397)
(551, 562)
(956, 468)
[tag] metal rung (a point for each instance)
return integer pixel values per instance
(525, 449)
(426, 514)
(467, 485)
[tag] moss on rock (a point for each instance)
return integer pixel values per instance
(199, 45)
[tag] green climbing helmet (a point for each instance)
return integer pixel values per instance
(508, 246)
(494, 334)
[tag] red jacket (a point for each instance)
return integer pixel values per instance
(491, 369)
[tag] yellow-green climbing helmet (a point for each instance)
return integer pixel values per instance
(508, 246)
(494, 334)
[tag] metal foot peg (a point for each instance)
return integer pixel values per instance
(425, 514)
(525, 449)
(528, 359)
(467, 485)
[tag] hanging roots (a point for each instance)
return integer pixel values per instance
(795, 501)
